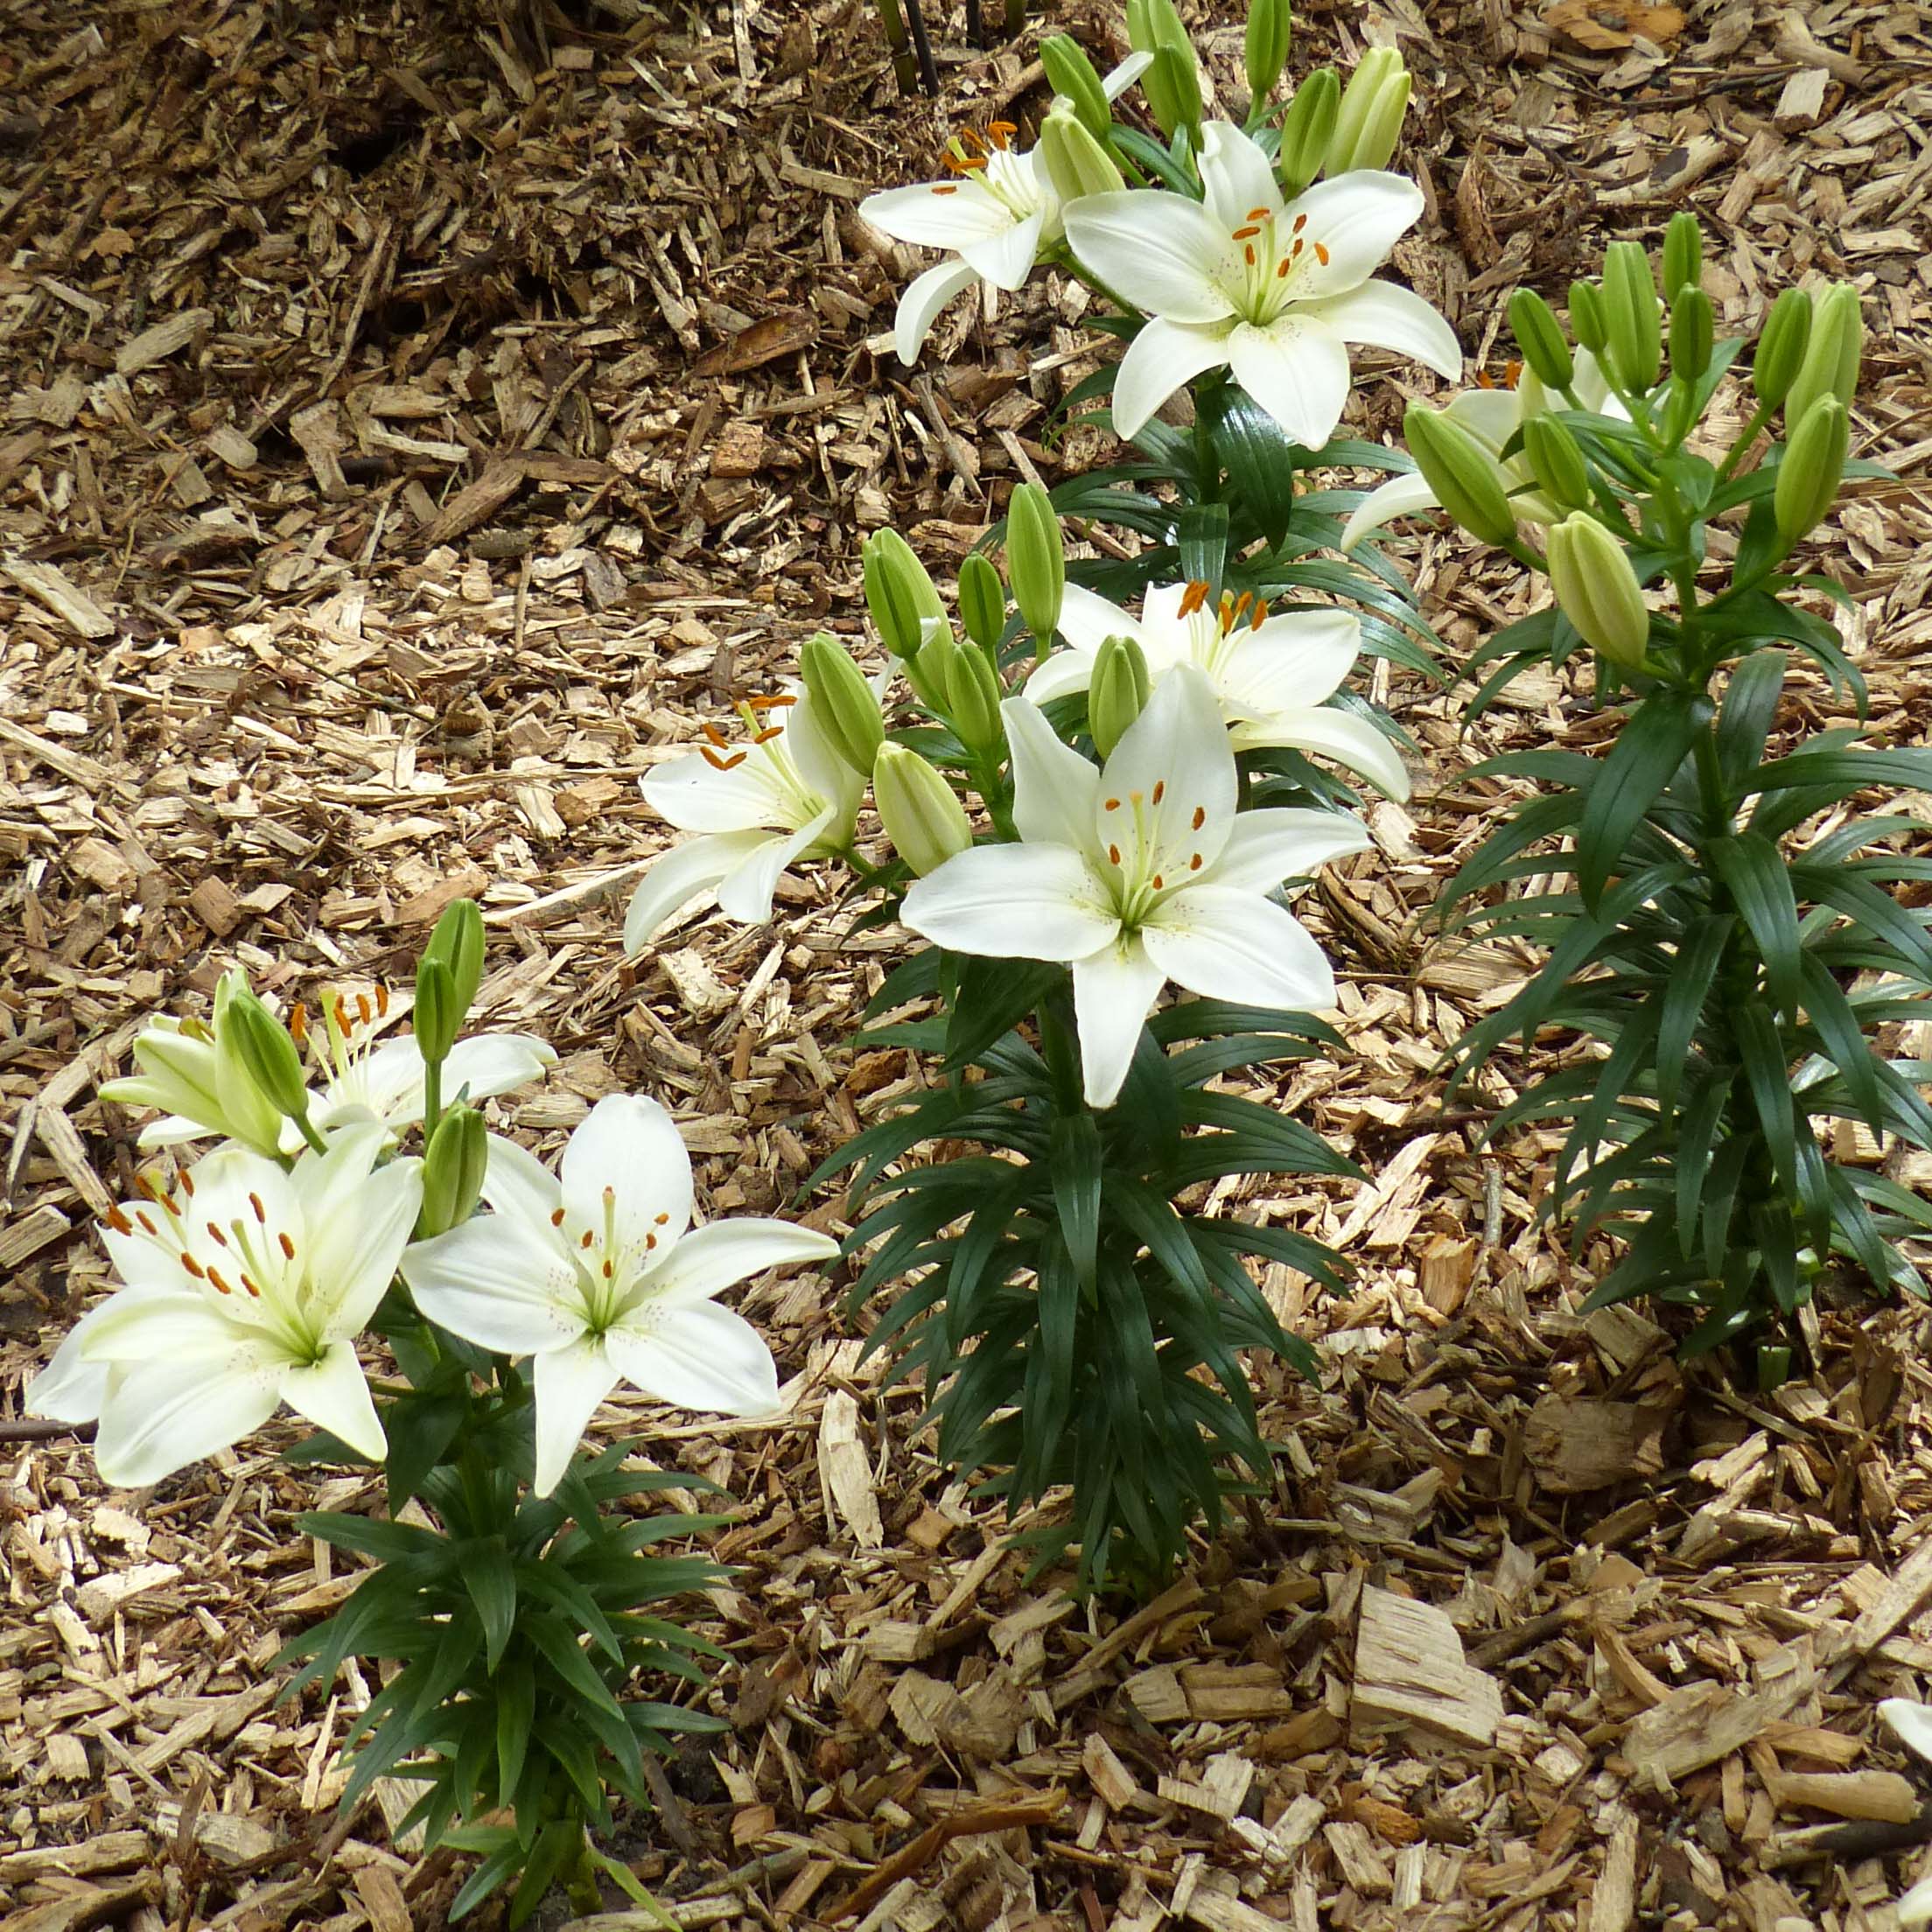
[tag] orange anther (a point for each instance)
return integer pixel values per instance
(299, 1023)
(650, 1241)
(187, 1184)
(1193, 598)
(945, 187)
(1113, 804)
(1161, 789)
(662, 1220)
(1113, 854)
(769, 734)
(1281, 268)
(1193, 864)
(260, 1212)
(1200, 816)
(1258, 214)
(363, 1007)
(251, 1288)
(219, 1239)
(382, 1001)
(1260, 616)
(220, 1286)
(717, 736)
(1301, 221)
(146, 1222)
(1244, 235)
(719, 764)
(193, 1266)
(118, 1221)
(1157, 882)
(556, 1218)
(776, 702)
(1512, 373)
(1248, 251)
(288, 1247)
(586, 1239)
(1321, 253)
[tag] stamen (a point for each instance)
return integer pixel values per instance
(717, 736)
(1484, 380)
(1258, 214)
(1200, 816)
(220, 1286)
(1298, 247)
(1261, 614)
(650, 1242)
(776, 702)
(188, 1185)
(255, 1292)
(945, 187)
(1193, 864)
(146, 1222)
(1193, 598)
(1156, 882)
(1246, 234)
(1281, 269)
(118, 1221)
(1161, 789)
(1241, 603)
(148, 1185)
(769, 734)
(298, 1024)
(288, 1247)
(1321, 253)
(663, 1220)
(341, 1014)
(1113, 854)
(1248, 249)
(1113, 804)
(1301, 221)
(1512, 373)
(260, 1212)
(363, 1007)
(193, 1266)
(382, 1001)
(556, 1218)
(587, 1240)
(718, 763)
(220, 1239)
(609, 1270)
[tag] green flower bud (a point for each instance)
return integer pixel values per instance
(1036, 560)
(972, 699)
(1587, 323)
(272, 1061)
(899, 593)
(1830, 365)
(457, 941)
(1692, 324)
(1539, 335)
(1597, 591)
(245, 1112)
(453, 1165)
(1370, 115)
(1558, 462)
(1264, 53)
(1172, 85)
(1682, 255)
(1811, 468)
(1634, 335)
(1468, 481)
(436, 1018)
(981, 601)
(1782, 344)
(1076, 163)
(1073, 77)
(842, 702)
(1308, 131)
(1117, 692)
(921, 812)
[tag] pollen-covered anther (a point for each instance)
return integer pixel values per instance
(770, 731)
(298, 1024)
(718, 762)
(220, 1286)
(650, 1241)
(215, 1235)
(1113, 804)
(609, 1269)
(777, 701)
(286, 1245)
(118, 1221)
(1321, 253)
(1193, 598)
(1113, 854)
(187, 1188)
(1200, 817)
(1194, 863)
(260, 1212)
(1258, 616)
(1161, 789)
(193, 1266)
(1157, 882)
(1248, 251)
(1246, 234)
(662, 1220)
(364, 1010)
(1301, 221)
(586, 1239)
(556, 1217)
(945, 187)
(254, 1291)
(147, 1225)
(382, 1001)
(1258, 214)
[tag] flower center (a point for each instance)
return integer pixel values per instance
(766, 761)
(1156, 845)
(608, 1265)
(1270, 265)
(1212, 636)
(989, 159)
(342, 1048)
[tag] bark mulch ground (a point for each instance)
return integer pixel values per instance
(416, 420)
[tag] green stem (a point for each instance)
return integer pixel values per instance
(1747, 437)
(433, 1097)
(309, 1133)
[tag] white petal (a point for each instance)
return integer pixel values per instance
(1114, 990)
(173, 1130)
(626, 1166)
(1014, 902)
(710, 1259)
(516, 1182)
(1227, 944)
(694, 795)
(569, 1384)
(1088, 620)
(1297, 370)
(354, 1260)
(684, 871)
(1168, 791)
(140, 1326)
(1915, 1908)
(702, 1357)
(1007, 259)
(70, 1387)
(1490, 416)
(1298, 657)
(495, 1281)
(334, 1394)
(1399, 496)
(1165, 356)
(1327, 732)
(1117, 80)
(1163, 253)
(819, 765)
(1387, 316)
(925, 295)
(1358, 218)
(938, 214)
(1053, 786)
(1910, 1723)
(746, 892)
(1062, 673)
(494, 1063)
(1237, 176)
(1284, 841)
(161, 1419)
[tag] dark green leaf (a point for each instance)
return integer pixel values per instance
(1652, 743)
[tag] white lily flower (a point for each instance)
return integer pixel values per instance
(361, 1078)
(1491, 413)
(597, 1275)
(785, 795)
(246, 1287)
(1139, 873)
(1272, 674)
(1910, 1722)
(997, 213)
(1273, 292)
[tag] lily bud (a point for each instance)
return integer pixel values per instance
(1073, 79)
(1370, 115)
(1597, 591)
(899, 593)
(1692, 323)
(1264, 53)
(1467, 481)
(921, 812)
(1539, 335)
(1587, 322)
(981, 601)
(435, 1019)
(1634, 337)
(1558, 462)
(1308, 131)
(1117, 692)
(1036, 560)
(1782, 344)
(271, 1059)
(457, 941)
(842, 702)
(1173, 83)
(453, 1167)
(1811, 468)
(251, 1116)
(1830, 365)
(1682, 255)
(1076, 163)
(972, 699)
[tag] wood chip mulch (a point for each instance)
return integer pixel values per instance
(416, 419)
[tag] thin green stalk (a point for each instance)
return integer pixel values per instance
(433, 1097)
(1760, 417)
